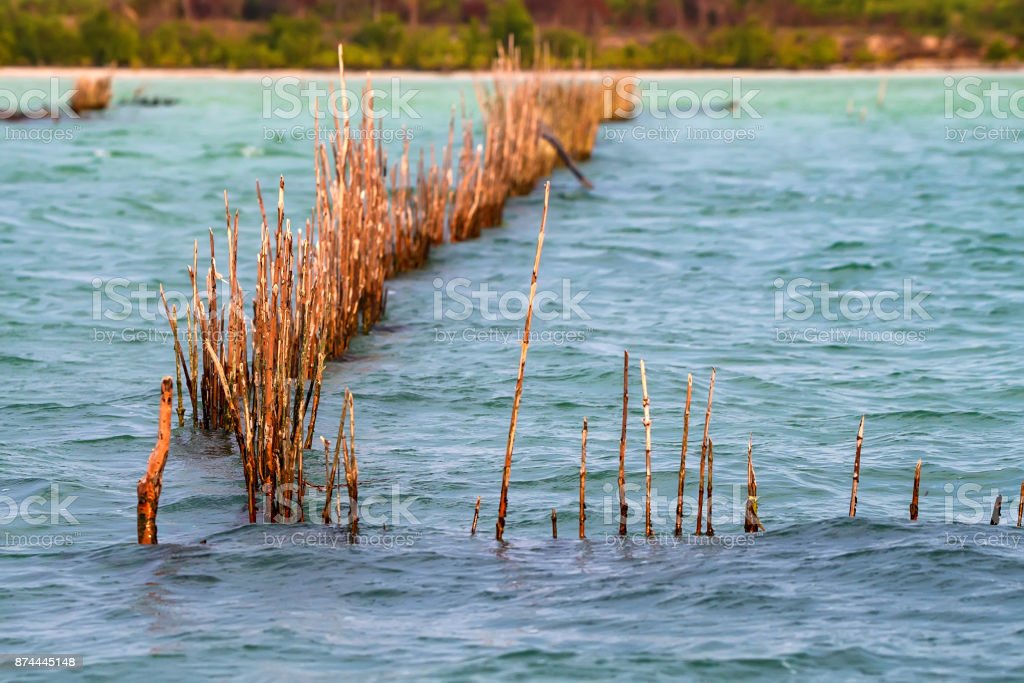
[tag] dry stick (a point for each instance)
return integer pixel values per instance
(476, 517)
(682, 456)
(856, 469)
(917, 488)
(554, 523)
(583, 483)
(648, 530)
(997, 509)
(710, 531)
(704, 453)
(1020, 506)
(751, 522)
(623, 505)
(507, 474)
(151, 483)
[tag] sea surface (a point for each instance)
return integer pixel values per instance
(708, 243)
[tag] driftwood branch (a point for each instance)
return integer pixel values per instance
(151, 483)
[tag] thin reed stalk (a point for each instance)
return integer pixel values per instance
(704, 453)
(682, 456)
(476, 517)
(623, 505)
(709, 530)
(554, 523)
(525, 347)
(648, 529)
(583, 481)
(856, 469)
(917, 489)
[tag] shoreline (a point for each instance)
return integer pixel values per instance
(905, 69)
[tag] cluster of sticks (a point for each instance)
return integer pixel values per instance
(997, 505)
(320, 286)
(707, 458)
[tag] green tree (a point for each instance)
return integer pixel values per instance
(511, 18)
(109, 38)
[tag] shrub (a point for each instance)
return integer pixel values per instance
(565, 44)
(384, 36)
(746, 46)
(109, 38)
(673, 50)
(997, 51)
(435, 49)
(510, 17)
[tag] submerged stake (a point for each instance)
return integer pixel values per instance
(856, 469)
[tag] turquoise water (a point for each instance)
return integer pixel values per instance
(684, 251)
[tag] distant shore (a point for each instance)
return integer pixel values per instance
(908, 68)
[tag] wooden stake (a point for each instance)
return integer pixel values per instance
(476, 517)
(704, 453)
(1020, 506)
(583, 483)
(648, 530)
(554, 523)
(623, 505)
(507, 473)
(997, 508)
(682, 456)
(856, 469)
(151, 483)
(710, 531)
(917, 488)
(751, 522)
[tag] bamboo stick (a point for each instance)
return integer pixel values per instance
(1020, 506)
(476, 517)
(623, 505)
(648, 530)
(997, 509)
(151, 483)
(554, 523)
(704, 453)
(917, 488)
(856, 469)
(507, 473)
(583, 482)
(682, 456)
(709, 530)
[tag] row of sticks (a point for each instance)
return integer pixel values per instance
(751, 523)
(260, 377)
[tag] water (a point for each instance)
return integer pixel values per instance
(680, 248)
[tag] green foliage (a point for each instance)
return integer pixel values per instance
(384, 36)
(510, 17)
(109, 38)
(801, 51)
(673, 50)
(998, 51)
(749, 45)
(565, 45)
(298, 41)
(434, 49)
